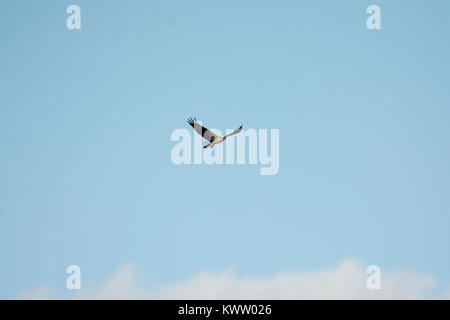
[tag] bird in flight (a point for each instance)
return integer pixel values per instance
(209, 135)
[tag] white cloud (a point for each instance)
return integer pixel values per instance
(347, 280)
(124, 284)
(42, 293)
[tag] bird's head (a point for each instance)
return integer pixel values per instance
(224, 137)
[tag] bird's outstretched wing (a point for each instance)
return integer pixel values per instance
(235, 132)
(204, 132)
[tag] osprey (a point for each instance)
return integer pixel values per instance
(208, 134)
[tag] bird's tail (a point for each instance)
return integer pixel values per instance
(208, 145)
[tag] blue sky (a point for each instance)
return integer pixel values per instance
(86, 117)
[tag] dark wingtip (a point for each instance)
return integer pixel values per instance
(190, 121)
